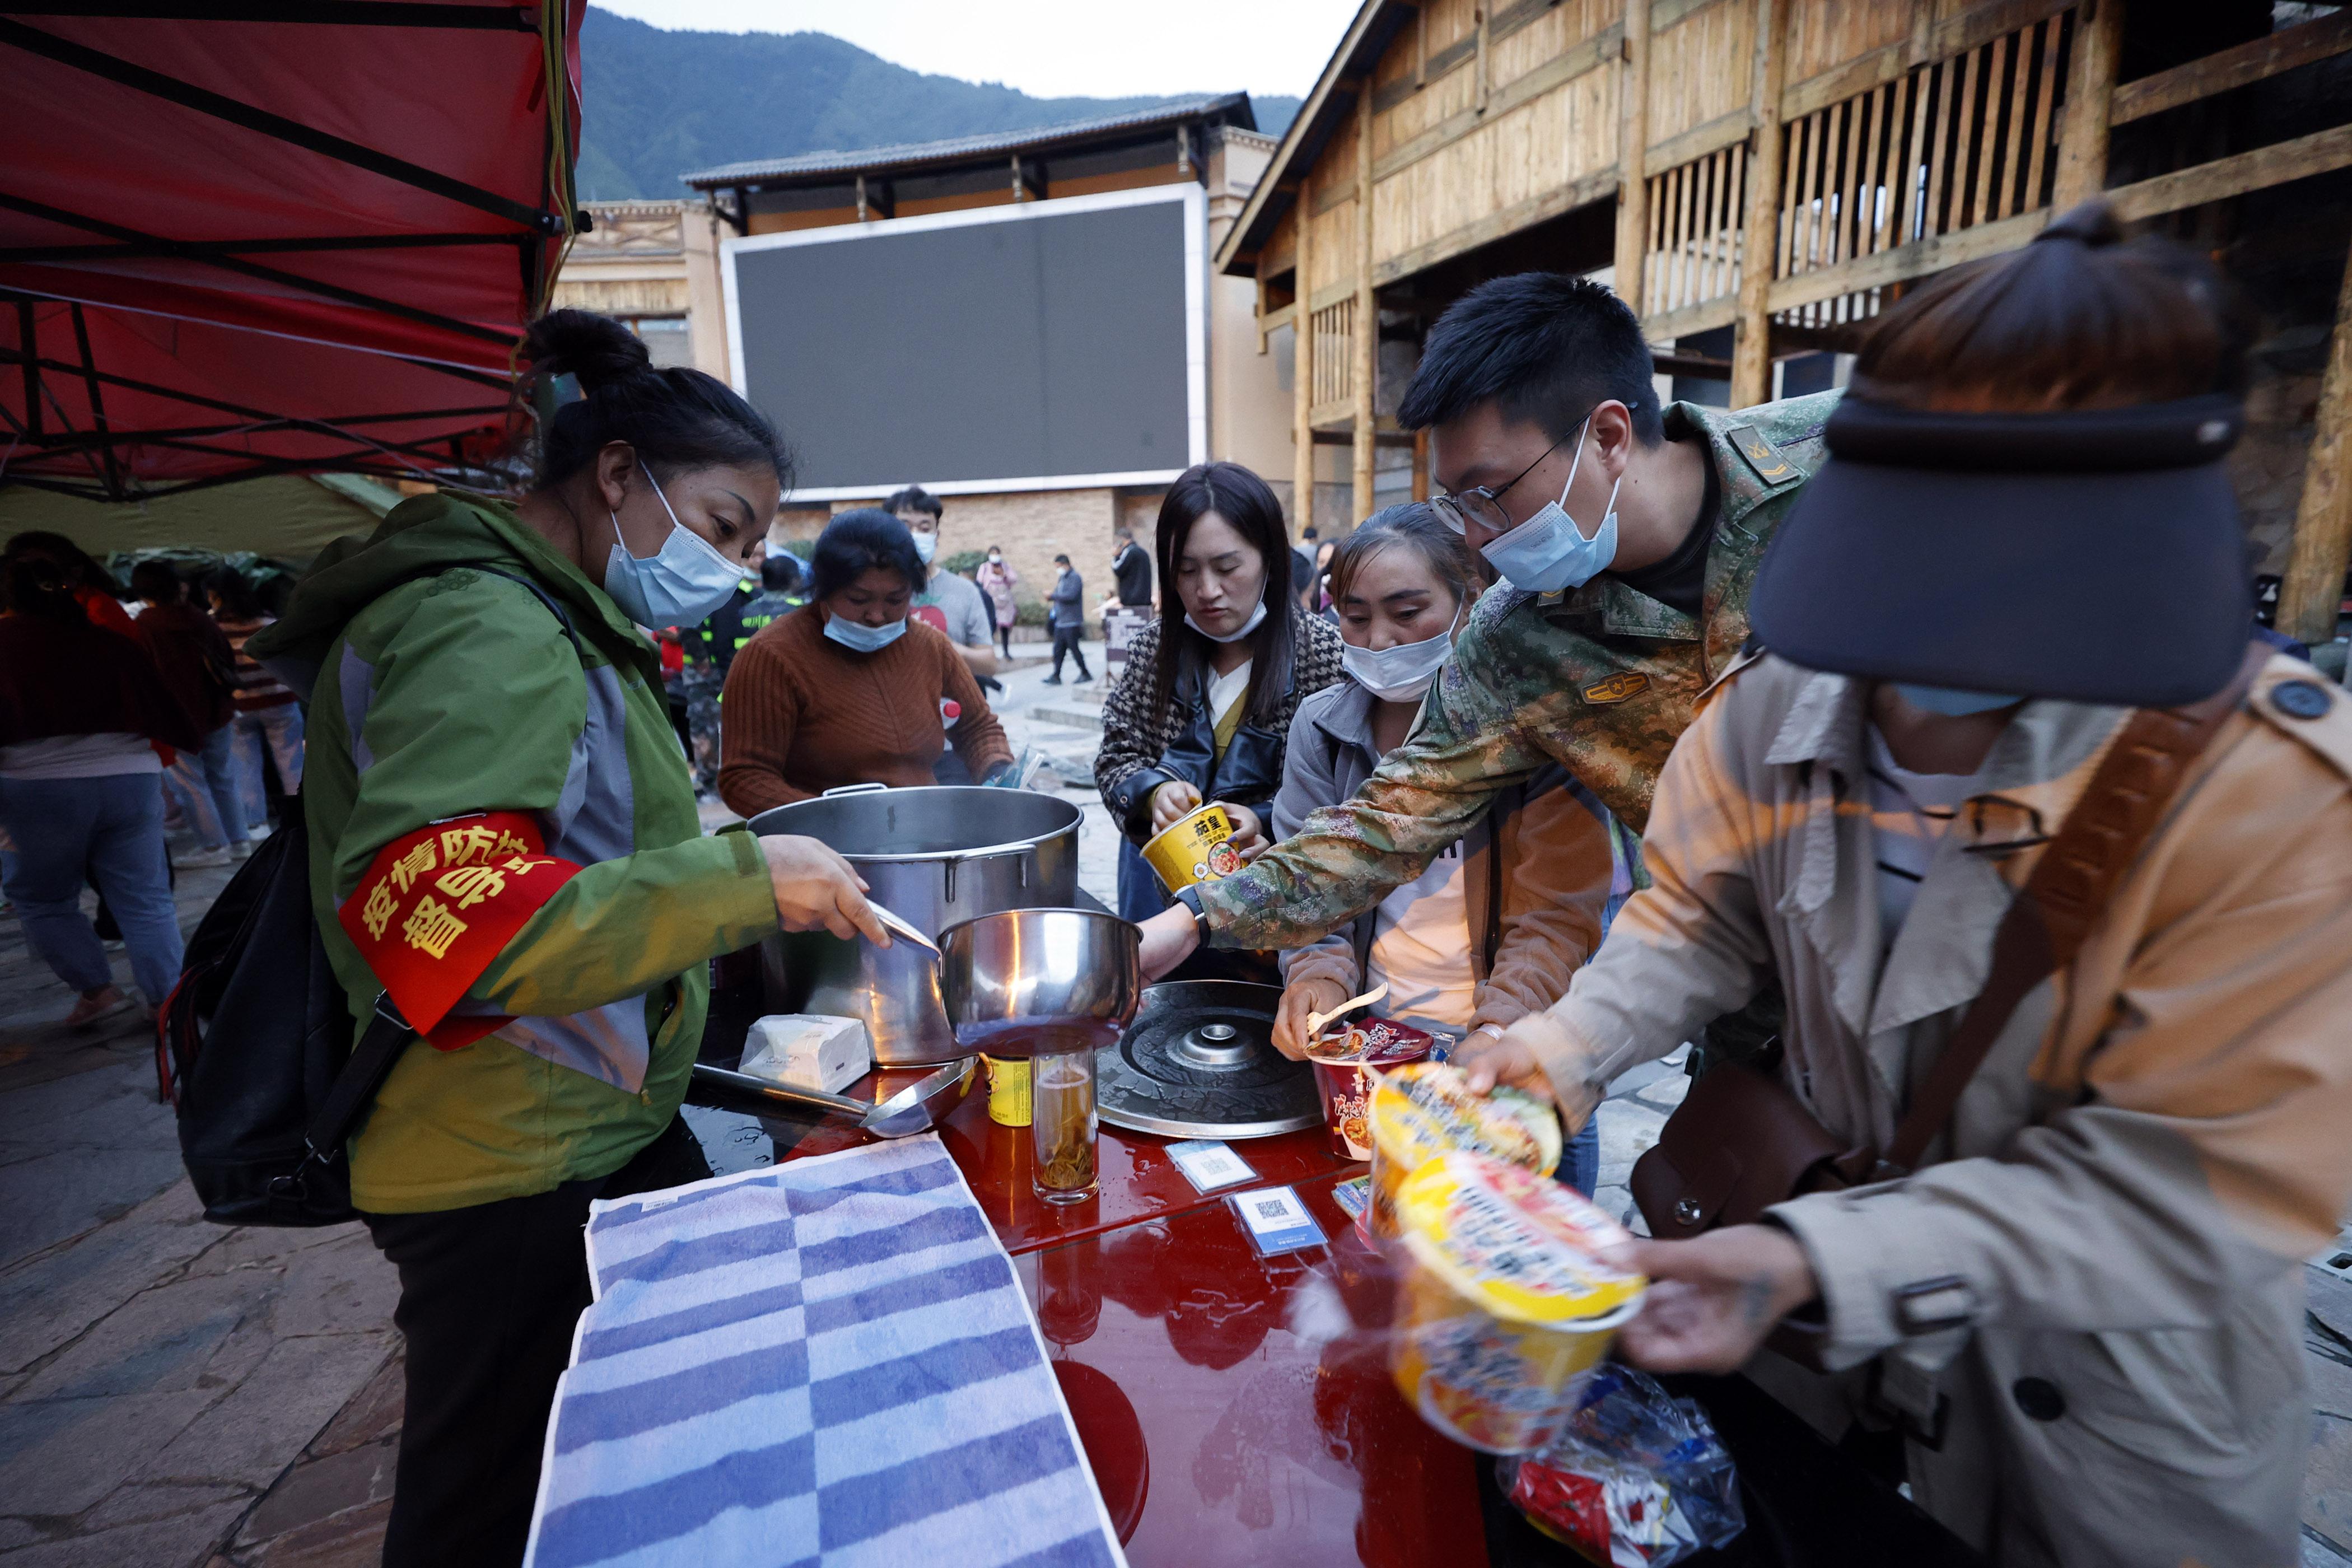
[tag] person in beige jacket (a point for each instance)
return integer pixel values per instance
(2083, 1309)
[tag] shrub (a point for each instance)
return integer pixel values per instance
(1029, 613)
(963, 562)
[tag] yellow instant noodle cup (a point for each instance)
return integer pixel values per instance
(1192, 848)
(1421, 1111)
(1506, 1306)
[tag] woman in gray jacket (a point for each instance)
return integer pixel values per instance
(1497, 925)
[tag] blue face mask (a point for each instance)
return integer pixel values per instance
(1548, 552)
(859, 637)
(679, 584)
(1954, 704)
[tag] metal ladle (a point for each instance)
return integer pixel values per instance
(905, 1113)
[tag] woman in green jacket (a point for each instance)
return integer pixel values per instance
(504, 841)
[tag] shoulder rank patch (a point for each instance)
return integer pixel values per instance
(1761, 455)
(1616, 689)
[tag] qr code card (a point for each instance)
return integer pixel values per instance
(1209, 1165)
(1277, 1221)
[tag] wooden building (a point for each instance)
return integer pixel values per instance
(1781, 169)
(654, 265)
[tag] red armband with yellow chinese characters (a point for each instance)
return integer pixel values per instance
(437, 905)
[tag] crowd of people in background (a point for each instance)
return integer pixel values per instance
(123, 715)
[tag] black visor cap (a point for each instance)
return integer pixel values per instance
(2110, 586)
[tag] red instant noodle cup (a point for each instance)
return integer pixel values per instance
(1340, 1058)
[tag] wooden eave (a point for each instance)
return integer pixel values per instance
(1349, 71)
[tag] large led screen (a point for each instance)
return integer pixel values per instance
(1049, 342)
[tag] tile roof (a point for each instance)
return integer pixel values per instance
(1233, 106)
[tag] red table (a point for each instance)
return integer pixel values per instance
(1236, 1409)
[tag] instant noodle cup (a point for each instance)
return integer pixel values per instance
(1340, 1059)
(1505, 1306)
(1426, 1109)
(1192, 848)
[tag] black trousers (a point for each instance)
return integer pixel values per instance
(1004, 640)
(489, 1297)
(1065, 641)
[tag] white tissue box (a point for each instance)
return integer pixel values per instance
(808, 1050)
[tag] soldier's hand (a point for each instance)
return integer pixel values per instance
(1168, 938)
(816, 889)
(1489, 1059)
(1298, 999)
(1169, 801)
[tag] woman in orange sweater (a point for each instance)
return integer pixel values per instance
(847, 689)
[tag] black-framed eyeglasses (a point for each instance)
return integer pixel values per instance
(1485, 503)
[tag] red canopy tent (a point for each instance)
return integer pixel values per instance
(253, 236)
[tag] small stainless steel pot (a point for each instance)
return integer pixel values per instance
(1028, 982)
(936, 855)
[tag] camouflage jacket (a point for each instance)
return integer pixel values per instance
(1600, 679)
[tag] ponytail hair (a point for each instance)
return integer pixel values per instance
(677, 419)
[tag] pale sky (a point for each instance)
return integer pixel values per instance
(1055, 49)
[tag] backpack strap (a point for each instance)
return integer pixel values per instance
(354, 1089)
(2048, 922)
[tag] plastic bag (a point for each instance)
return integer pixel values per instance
(1636, 1480)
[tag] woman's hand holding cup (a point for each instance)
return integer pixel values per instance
(1170, 801)
(1249, 839)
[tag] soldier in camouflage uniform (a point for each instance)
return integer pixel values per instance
(1601, 678)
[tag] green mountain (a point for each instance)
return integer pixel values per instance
(658, 104)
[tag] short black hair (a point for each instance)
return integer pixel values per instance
(914, 498)
(81, 569)
(1063, 559)
(156, 583)
(780, 573)
(857, 541)
(1549, 347)
(1307, 532)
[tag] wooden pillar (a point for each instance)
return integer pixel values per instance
(2090, 95)
(1751, 347)
(1367, 310)
(2314, 586)
(864, 212)
(1420, 464)
(1632, 142)
(1302, 373)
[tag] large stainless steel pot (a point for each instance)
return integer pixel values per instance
(937, 855)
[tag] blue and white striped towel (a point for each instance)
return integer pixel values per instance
(825, 1363)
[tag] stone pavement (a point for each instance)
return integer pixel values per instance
(170, 1389)
(183, 1395)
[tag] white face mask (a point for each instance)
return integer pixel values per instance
(1403, 673)
(860, 637)
(1548, 552)
(1247, 626)
(926, 546)
(679, 585)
